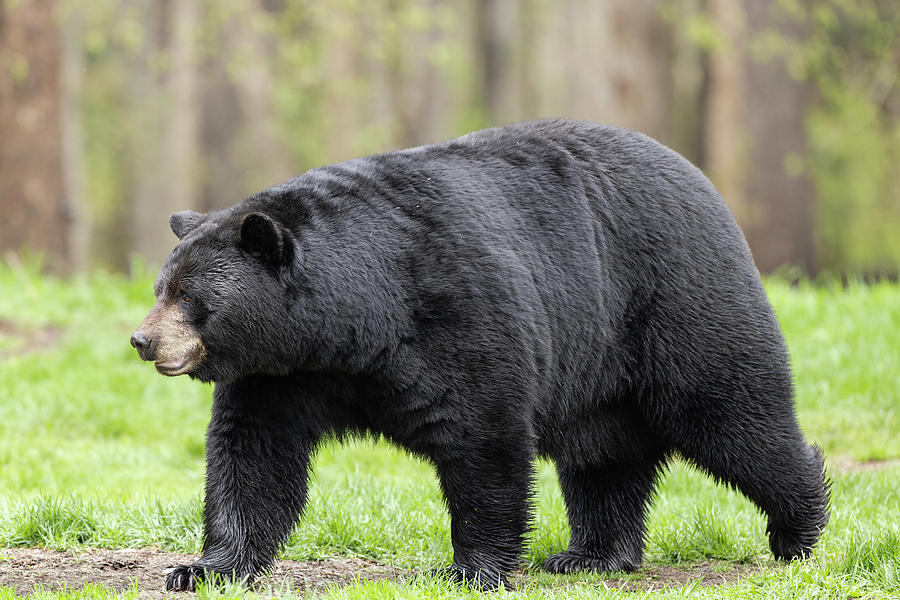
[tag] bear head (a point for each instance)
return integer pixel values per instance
(220, 299)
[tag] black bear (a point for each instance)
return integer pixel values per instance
(554, 288)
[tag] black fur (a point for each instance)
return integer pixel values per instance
(551, 288)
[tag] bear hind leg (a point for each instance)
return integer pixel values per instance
(793, 536)
(779, 472)
(606, 508)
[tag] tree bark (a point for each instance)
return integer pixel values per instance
(527, 26)
(341, 60)
(724, 128)
(780, 228)
(495, 44)
(754, 121)
(167, 174)
(241, 148)
(608, 62)
(33, 211)
(147, 181)
(73, 164)
(264, 155)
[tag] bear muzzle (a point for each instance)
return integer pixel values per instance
(185, 363)
(165, 338)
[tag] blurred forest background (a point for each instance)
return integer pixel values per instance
(115, 113)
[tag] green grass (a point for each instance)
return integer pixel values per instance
(845, 347)
(88, 592)
(97, 450)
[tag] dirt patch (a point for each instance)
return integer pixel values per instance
(26, 340)
(655, 577)
(664, 576)
(28, 568)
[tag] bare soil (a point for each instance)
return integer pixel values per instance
(657, 577)
(26, 569)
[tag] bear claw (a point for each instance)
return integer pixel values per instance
(184, 578)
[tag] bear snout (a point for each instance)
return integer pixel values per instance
(143, 345)
(167, 339)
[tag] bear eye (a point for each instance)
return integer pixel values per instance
(184, 296)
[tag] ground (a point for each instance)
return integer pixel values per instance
(27, 569)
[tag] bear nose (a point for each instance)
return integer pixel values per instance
(142, 344)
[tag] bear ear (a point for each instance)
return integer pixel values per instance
(184, 222)
(263, 236)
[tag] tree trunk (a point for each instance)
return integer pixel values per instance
(780, 229)
(169, 181)
(183, 135)
(264, 155)
(527, 26)
(754, 122)
(724, 154)
(73, 164)
(339, 93)
(241, 148)
(494, 43)
(32, 200)
(148, 180)
(223, 179)
(607, 62)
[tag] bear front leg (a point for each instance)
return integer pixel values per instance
(256, 482)
(487, 490)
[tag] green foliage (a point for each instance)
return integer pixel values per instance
(338, 63)
(115, 119)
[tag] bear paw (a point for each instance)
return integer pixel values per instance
(789, 544)
(570, 562)
(184, 578)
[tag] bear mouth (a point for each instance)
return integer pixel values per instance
(181, 365)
